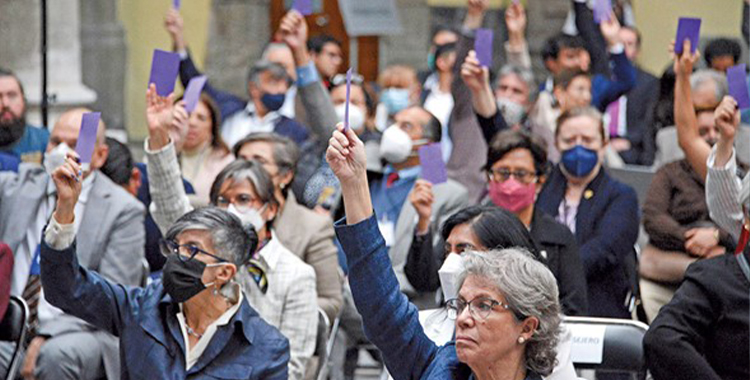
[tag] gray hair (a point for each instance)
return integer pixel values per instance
(701, 78)
(253, 172)
(271, 47)
(285, 151)
(231, 241)
(525, 75)
(530, 290)
(277, 72)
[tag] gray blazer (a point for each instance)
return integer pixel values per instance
(450, 197)
(111, 241)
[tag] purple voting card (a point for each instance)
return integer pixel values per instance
(602, 10)
(193, 92)
(737, 78)
(433, 167)
(687, 29)
(87, 137)
(483, 46)
(164, 69)
(303, 6)
(176, 4)
(348, 93)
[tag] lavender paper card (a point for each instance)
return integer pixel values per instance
(193, 92)
(433, 167)
(348, 93)
(483, 46)
(303, 6)
(87, 137)
(737, 78)
(164, 69)
(176, 4)
(602, 10)
(687, 29)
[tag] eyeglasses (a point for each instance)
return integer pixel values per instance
(480, 307)
(340, 79)
(502, 175)
(184, 252)
(243, 202)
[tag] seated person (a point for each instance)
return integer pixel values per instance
(193, 322)
(111, 242)
(601, 212)
(25, 142)
(304, 232)
(276, 282)
(495, 322)
(204, 152)
(679, 228)
(401, 180)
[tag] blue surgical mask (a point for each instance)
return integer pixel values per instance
(579, 161)
(395, 99)
(273, 102)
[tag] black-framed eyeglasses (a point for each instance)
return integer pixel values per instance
(184, 252)
(502, 175)
(479, 308)
(340, 79)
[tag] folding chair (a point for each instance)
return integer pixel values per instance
(13, 329)
(621, 348)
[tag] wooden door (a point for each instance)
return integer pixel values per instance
(329, 21)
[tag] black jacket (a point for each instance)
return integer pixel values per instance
(703, 332)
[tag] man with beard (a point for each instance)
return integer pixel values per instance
(18, 139)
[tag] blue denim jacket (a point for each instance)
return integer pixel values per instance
(390, 321)
(151, 344)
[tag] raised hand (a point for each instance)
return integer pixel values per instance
(178, 129)
(422, 198)
(158, 117)
(727, 118)
(683, 64)
(611, 30)
(475, 13)
(515, 21)
(476, 77)
(346, 156)
(67, 179)
(174, 24)
(293, 30)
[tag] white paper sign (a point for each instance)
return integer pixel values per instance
(588, 343)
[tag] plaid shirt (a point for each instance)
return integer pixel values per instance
(290, 303)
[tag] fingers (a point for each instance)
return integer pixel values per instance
(340, 143)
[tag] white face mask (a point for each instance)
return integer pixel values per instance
(395, 145)
(513, 113)
(448, 273)
(356, 117)
(250, 217)
(56, 158)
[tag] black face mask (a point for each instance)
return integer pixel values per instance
(12, 131)
(182, 280)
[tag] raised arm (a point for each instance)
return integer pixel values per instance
(477, 79)
(517, 49)
(168, 198)
(389, 320)
(588, 30)
(606, 90)
(695, 148)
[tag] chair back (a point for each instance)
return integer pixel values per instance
(13, 328)
(608, 344)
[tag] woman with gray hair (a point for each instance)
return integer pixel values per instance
(194, 322)
(507, 309)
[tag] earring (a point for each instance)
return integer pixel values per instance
(521, 340)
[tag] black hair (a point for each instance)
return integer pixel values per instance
(495, 227)
(561, 41)
(315, 44)
(443, 28)
(119, 164)
(721, 47)
(509, 140)
(565, 77)
(445, 49)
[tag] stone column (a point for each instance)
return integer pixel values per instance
(20, 47)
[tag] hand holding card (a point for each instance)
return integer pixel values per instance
(304, 7)
(687, 29)
(348, 93)
(87, 138)
(737, 79)
(483, 46)
(602, 10)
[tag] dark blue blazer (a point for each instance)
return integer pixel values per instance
(230, 104)
(151, 343)
(606, 230)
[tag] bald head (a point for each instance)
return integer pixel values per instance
(66, 131)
